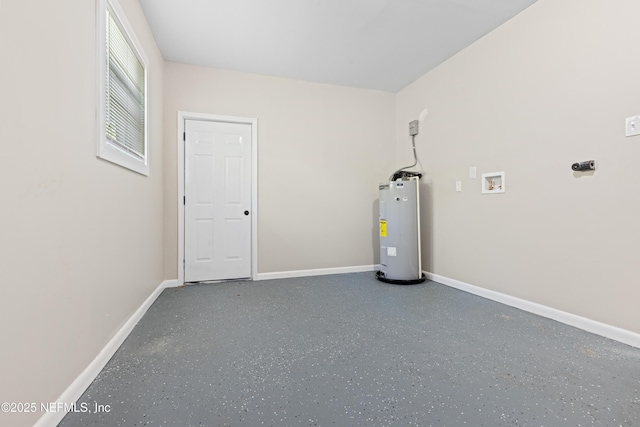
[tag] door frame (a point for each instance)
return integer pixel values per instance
(253, 122)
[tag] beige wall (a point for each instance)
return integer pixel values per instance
(550, 87)
(322, 150)
(81, 239)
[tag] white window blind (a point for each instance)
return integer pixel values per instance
(125, 93)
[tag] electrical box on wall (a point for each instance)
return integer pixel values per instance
(414, 128)
(493, 183)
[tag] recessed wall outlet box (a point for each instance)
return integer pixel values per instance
(413, 128)
(493, 183)
(633, 126)
(472, 172)
(458, 185)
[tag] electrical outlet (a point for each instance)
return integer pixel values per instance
(458, 185)
(633, 126)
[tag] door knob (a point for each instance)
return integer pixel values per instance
(246, 212)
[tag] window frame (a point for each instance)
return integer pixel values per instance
(106, 149)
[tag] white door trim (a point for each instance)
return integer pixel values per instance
(184, 115)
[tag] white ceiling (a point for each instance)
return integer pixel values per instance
(374, 44)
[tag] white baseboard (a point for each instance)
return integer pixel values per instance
(598, 328)
(316, 272)
(84, 380)
(171, 283)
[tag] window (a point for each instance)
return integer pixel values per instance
(122, 91)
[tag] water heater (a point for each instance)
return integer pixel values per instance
(400, 261)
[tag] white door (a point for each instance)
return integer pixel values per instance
(217, 229)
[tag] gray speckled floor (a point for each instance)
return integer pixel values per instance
(347, 350)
